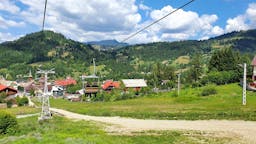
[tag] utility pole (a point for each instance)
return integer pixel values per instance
(45, 113)
(244, 85)
(178, 84)
(94, 66)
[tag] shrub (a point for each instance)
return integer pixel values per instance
(209, 90)
(9, 103)
(219, 78)
(22, 101)
(2, 97)
(8, 123)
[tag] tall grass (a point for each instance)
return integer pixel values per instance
(21, 110)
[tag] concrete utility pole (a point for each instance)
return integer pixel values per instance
(244, 85)
(45, 113)
(178, 84)
(94, 66)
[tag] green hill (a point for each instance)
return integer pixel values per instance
(74, 58)
(47, 48)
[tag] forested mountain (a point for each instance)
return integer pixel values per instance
(107, 44)
(48, 49)
(74, 58)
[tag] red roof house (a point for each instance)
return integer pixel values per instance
(66, 82)
(7, 90)
(109, 85)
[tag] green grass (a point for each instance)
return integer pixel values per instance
(226, 104)
(21, 110)
(60, 130)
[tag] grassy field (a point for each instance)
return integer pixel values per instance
(21, 110)
(60, 130)
(226, 104)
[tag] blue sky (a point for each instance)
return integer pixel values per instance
(92, 20)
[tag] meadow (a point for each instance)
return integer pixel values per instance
(190, 105)
(60, 130)
(22, 110)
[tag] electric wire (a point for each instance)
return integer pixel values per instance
(146, 27)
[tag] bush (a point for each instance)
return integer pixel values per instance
(2, 97)
(219, 78)
(209, 90)
(8, 123)
(9, 103)
(22, 101)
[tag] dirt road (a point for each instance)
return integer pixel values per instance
(245, 130)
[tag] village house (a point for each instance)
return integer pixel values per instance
(66, 82)
(136, 84)
(7, 90)
(108, 85)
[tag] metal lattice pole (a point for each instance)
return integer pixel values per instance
(244, 85)
(45, 113)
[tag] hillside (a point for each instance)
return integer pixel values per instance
(74, 58)
(106, 45)
(47, 48)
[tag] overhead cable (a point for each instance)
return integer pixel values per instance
(157, 21)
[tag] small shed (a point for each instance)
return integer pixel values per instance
(137, 84)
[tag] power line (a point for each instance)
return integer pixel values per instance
(157, 21)
(44, 14)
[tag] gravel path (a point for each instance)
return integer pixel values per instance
(245, 130)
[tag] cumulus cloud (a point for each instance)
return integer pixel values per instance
(78, 18)
(4, 23)
(236, 24)
(251, 15)
(7, 37)
(184, 24)
(89, 20)
(9, 6)
(243, 22)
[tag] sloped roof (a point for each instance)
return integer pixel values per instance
(67, 81)
(254, 61)
(110, 83)
(133, 83)
(3, 87)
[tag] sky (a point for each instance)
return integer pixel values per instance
(95, 20)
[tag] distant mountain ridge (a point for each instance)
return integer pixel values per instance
(107, 44)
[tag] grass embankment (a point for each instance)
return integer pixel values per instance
(60, 130)
(21, 110)
(226, 104)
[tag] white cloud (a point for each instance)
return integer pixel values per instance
(76, 19)
(9, 6)
(216, 30)
(144, 7)
(4, 23)
(7, 37)
(184, 24)
(243, 22)
(236, 24)
(251, 14)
